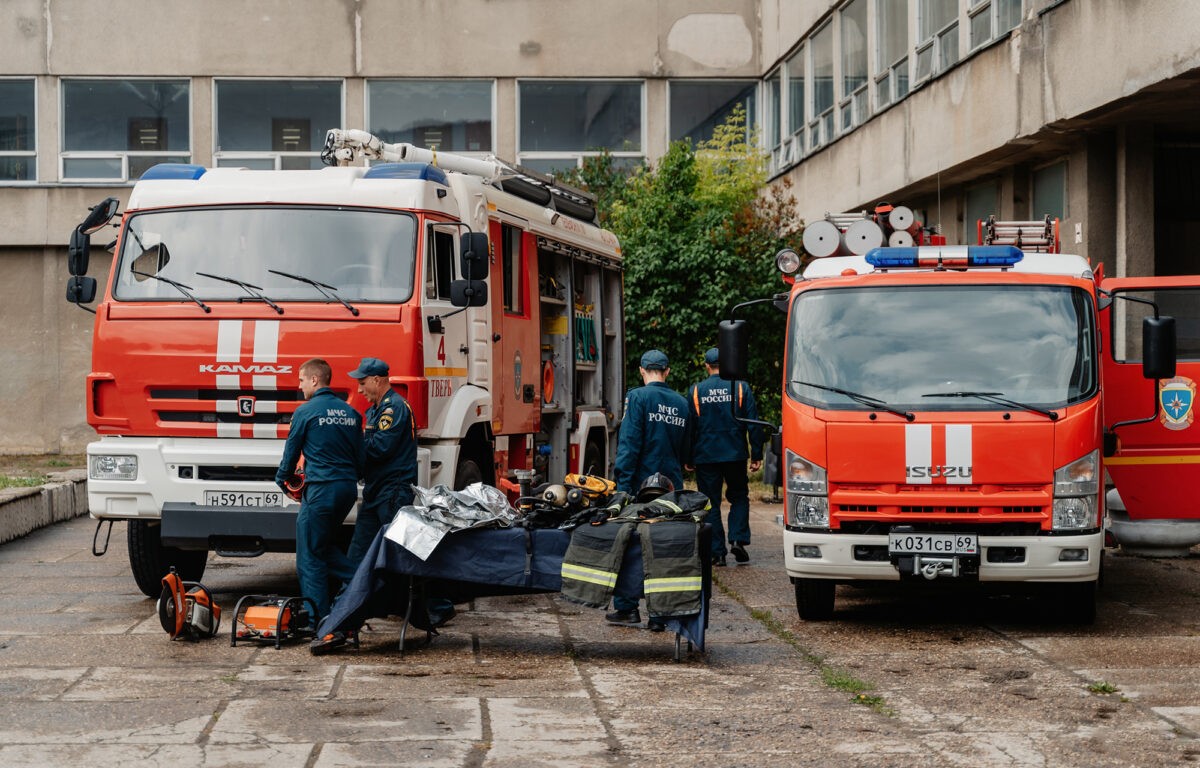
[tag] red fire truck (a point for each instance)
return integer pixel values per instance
(949, 413)
(489, 290)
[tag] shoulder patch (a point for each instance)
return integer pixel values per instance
(385, 421)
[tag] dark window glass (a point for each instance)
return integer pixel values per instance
(580, 116)
(451, 115)
(698, 107)
(126, 116)
(276, 115)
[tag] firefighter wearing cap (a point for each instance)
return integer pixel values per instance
(719, 452)
(654, 438)
(329, 434)
(390, 440)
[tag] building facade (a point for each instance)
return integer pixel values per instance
(1083, 109)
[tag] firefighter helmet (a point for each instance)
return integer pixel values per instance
(654, 486)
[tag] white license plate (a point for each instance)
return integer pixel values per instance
(243, 499)
(933, 543)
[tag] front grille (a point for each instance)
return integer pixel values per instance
(940, 510)
(870, 528)
(857, 508)
(235, 473)
(211, 417)
(278, 395)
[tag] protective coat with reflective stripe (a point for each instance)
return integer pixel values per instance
(673, 572)
(592, 561)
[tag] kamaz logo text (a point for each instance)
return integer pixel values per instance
(256, 368)
(938, 471)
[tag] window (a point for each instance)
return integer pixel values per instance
(18, 131)
(992, 18)
(563, 121)
(450, 115)
(937, 39)
(821, 127)
(439, 268)
(855, 106)
(113, 130)
(1050, 191)
(697, 106)
(795, 94)
(771, 110)
(892, 82)
(512, 262)
(980, 202)
(275, 124)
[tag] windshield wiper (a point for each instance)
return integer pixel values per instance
(250, 288)
(328, 291)
(858, 397)
(184, 289)
(996, 397)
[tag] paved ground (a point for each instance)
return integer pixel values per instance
(88, 677)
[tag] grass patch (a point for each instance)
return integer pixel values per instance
(7, 481)
(1103, 687)
(838, 679)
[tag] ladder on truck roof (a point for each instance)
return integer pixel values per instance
(1035, 236)
(343, 146)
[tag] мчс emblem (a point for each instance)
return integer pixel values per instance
(1176, 397)
(245, 406)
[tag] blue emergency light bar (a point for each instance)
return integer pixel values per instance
(173, 171)
(945, 256)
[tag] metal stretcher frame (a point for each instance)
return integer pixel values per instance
(491, 562)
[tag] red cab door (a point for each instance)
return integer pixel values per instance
(1157, 466)
(515, 349)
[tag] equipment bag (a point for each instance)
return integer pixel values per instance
(187, 610)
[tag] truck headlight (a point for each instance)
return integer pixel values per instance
(1074, 514)
(808, 504)
(1079, 478)
(112, 467)
(808, 511)
(803, 476)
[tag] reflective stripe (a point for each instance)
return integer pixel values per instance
(696, 398)
(664, 503)
(590, 575)
(673, 584)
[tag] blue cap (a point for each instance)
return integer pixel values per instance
(370, 366)
(655, 360)
(712, 356)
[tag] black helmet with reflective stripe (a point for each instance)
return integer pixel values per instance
(654, 486)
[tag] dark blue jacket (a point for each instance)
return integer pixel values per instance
(654, 437)
(717, 436)
(329, 434)
(391, 445)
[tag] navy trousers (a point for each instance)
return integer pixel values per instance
(731, 474)
(322, 510)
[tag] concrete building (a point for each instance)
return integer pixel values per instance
(1084, 109)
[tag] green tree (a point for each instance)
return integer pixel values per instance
(699, 232)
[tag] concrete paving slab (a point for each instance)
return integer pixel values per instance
(154, 755)
(543, 719)
(389, 754)
(179, 719)
(549, 754)
(1118, 652)
(38, 683)
(1151, 686)
(254, 720)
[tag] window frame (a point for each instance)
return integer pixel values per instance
(121, 156)
(853, 108)
(30, 153)
(435, 260)
(577, 157)
(276, 158)
(492, 118)
(936, 47)
(889, 74)
(821, 126)
(1066, 186)
(746, 83)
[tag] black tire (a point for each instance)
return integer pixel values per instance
(150, 560)
(1076, 602)
(593, 460)
(814, 599)
(468, 472)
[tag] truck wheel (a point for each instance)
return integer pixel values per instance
(814, 599)
(468, 472)
(593, 460)
(150, 560)
(1077, 602)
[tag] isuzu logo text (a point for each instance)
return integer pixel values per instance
(937, 471)
(254, 368)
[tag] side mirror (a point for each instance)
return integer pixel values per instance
(81, 290)
(1158, 347)
(777, 443)
(732, 338)
(78, 252)
(474, 256)
(99, 215)
(468, 293)
(780, 302)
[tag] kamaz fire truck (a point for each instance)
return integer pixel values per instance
(949, 413)
(488, 288)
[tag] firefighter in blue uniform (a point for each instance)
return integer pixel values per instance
(390, 440)
(654, 439)
(719, 453)
(328, 433)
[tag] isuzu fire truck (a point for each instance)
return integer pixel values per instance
(489, 290)
(949, 413)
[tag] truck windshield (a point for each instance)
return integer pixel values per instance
(1031, 344)
(365, 254)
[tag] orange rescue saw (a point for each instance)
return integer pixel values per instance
(187, 610)
(273, 619)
